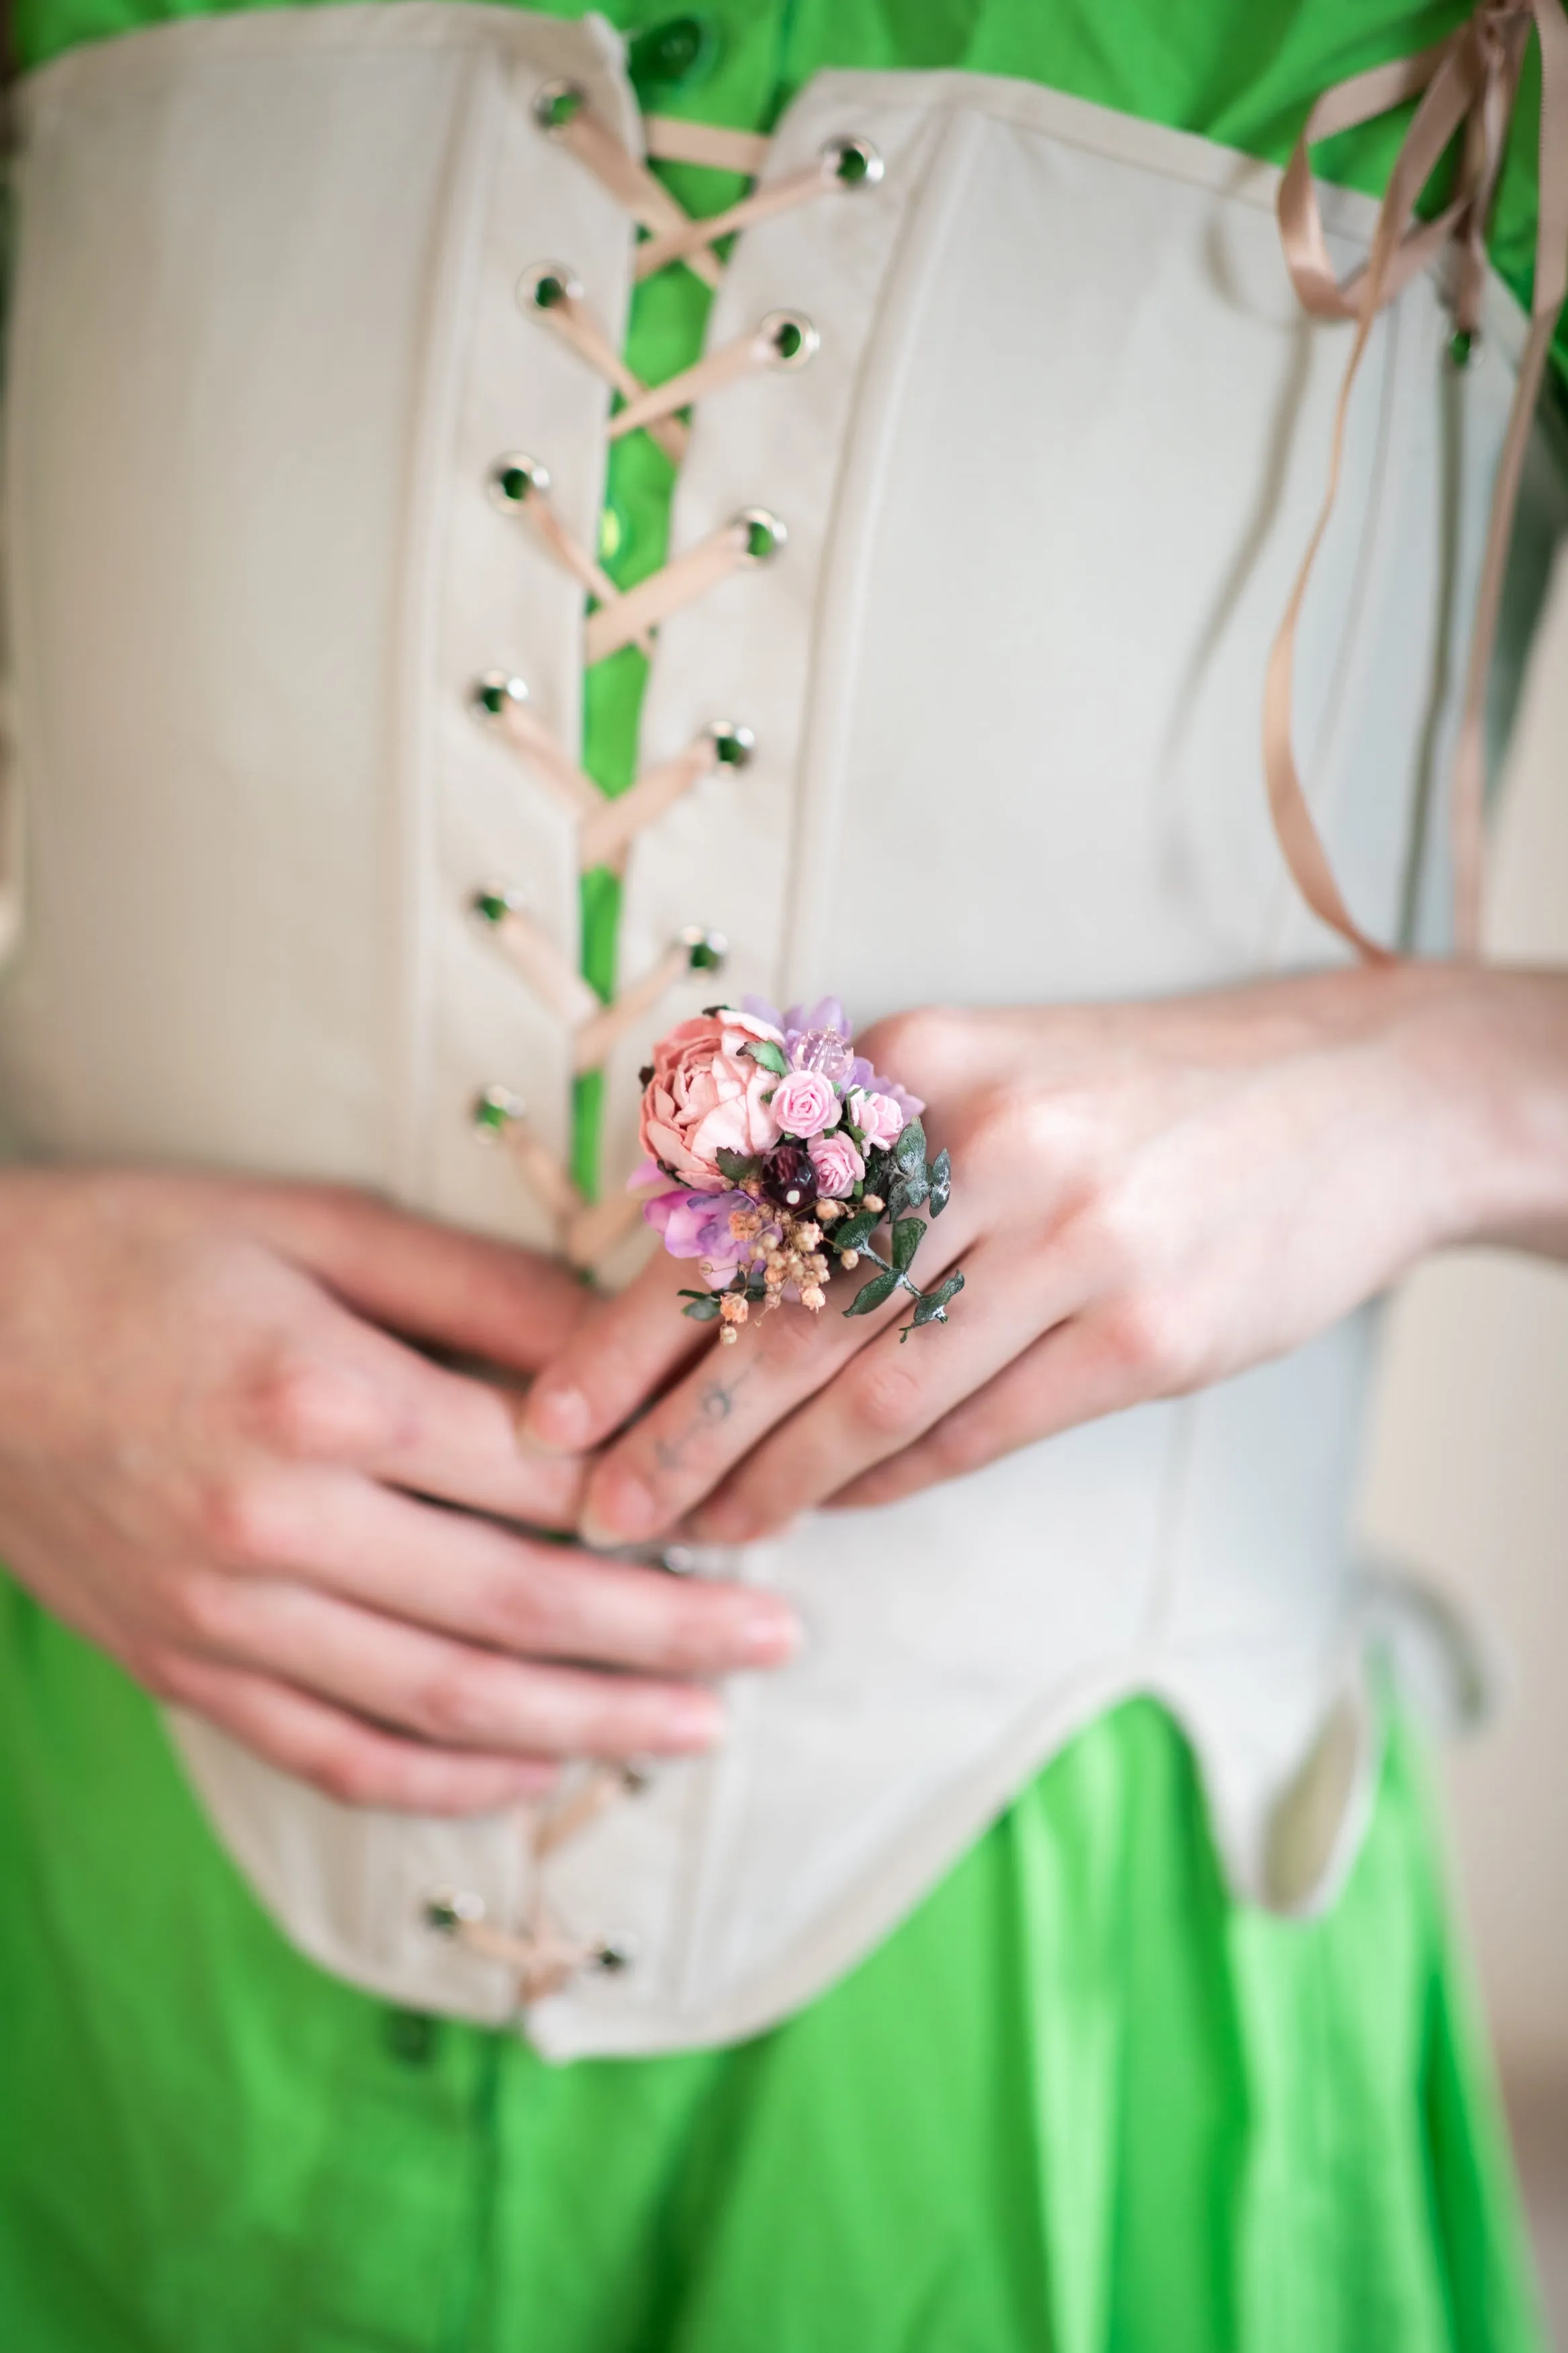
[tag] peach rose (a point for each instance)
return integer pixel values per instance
(705, 1095)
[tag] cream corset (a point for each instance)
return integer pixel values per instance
(1002, 459)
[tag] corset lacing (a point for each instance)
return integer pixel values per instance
(552, 295)
(542, 1954)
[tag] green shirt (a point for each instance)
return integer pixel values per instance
(1243, 73)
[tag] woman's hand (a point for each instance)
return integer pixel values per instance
(1146, 1199)
(216, 1462)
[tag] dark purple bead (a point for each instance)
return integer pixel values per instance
(789, 1179)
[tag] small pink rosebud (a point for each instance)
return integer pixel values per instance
(804, 1103)
(838, 1165)
(878, 1117)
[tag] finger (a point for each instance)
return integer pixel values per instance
(622, 1353)
(456, 1696)
(887, 1396)
(335, 1389)
(1075, 1374)
(356, 1763)
(462, 1575)
(429, 1281)
(673, 1457)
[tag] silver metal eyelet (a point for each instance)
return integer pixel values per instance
(557, 103)
(791, 338)
(491, 693)
(515, 478)
(614, 1956)
(495, 1108)
(705, 951)
(450, 1908)
(852, 163)
(547, 285)
(733, 744)
(765, 535)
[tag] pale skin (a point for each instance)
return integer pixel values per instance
(222, 1460)
(1146, 1199)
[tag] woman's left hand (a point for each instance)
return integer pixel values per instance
(1146, 1199)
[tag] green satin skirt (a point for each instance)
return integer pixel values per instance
(1081, 2100)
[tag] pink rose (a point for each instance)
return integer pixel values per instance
(838, 1165)
(878, 1117)
(805, 1103)
(705, 1096)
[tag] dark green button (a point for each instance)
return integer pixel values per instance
(412, 2036)
(1461, 345)
(682, 49)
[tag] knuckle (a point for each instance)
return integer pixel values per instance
(204, 1610)
(886, 1399)
(916, 1046)
(304, 1407)
(1014, 1120)
(239, 1519)
(794, 1341)
(520, 1607)
(459, 1702)
(350, 1769)
(1147, 1339)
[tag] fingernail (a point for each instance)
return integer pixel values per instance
(620, 1510)
(557, 1418)
(769, 1634)
(693, 1719)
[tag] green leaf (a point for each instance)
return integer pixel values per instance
(948, 1289)
(704, 1307)
(938, 1182)
(737, 1166)
(872, 1294)
(908, 1235)
(878, 1172)
(770, 1057)
(853, 1232)
(929, 1309)
(910, 1152)
(906, 1193)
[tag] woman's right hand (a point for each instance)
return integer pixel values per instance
(218, 1462)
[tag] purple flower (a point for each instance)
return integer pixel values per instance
(698, 1224)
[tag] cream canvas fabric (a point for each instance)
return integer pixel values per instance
(1045, 483)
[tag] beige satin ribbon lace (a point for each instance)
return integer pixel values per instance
(551, 294)
(1465, 85)
(542, 1955)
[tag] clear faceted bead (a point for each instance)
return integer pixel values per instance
(825, 1050)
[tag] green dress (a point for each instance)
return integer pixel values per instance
(1081, 2100)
